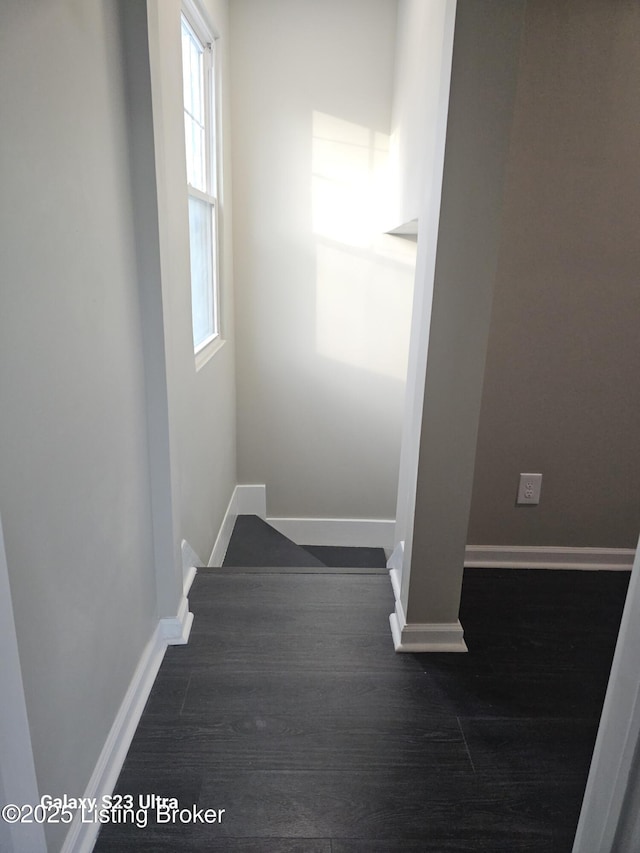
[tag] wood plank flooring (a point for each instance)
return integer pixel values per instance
(290, 709)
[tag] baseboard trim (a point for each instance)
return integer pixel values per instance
(224, 534)
(189, 561)
(82, 836)
(251, 500)
(396, 558)
(245, 500)
(425, 637)
(189, 578)
(379, 533)
(396, 582)
(544, 557)
(344, 532)
(175, 630)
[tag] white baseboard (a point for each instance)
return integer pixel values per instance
(396, 582)
(345, 532)
(449, 637)
(536, 557)
(189, 561)
(543, 557)
(81, 836)
(251, 500)
(396, 558)
(175, 630)
(379, 533)
(245, 500)
(425, 637)
(189, 578)
(224, 534)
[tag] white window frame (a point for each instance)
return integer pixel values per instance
(206, 36)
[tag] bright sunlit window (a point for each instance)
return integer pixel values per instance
(198, 73)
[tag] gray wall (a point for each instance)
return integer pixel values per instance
(561, 392)
(323, 299)
(74, 479)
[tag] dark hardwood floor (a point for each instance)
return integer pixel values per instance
(290, 710)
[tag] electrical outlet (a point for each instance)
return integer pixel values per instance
(529, 489)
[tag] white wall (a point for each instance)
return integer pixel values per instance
(419, 59)
(323, 299)
(202, 405)
(94, 237)
(74, 478)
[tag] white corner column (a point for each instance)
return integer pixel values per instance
(458, 246)
(610, 816)
(422, 57)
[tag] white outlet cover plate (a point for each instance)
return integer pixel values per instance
(529, 489)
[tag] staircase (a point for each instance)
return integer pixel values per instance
(255, 544)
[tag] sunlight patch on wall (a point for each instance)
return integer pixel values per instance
(350, 180)
(363, 308)
(364, 278)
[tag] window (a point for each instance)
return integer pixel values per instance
(198, 73)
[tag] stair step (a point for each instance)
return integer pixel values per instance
(290, 570)
(337, 556)
(255, 543)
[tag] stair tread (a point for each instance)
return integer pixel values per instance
(255, 543)
(337, 556)
(292, 570)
